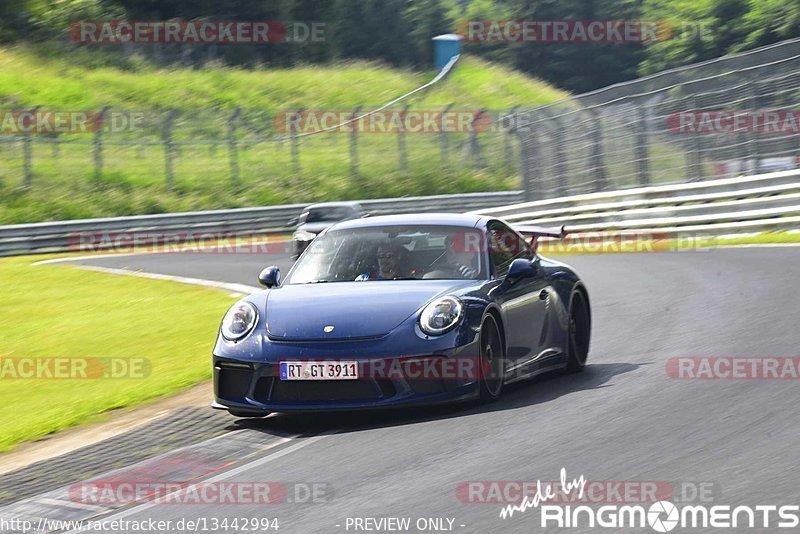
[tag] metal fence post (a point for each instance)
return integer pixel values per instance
(354, 145)
(443, 137)
(508, 151)
(558, 153)
(474, 147)
(755, 149)
(529, 160)
(232, 147)
(295, 147)
(169, 147)
(694, 161)
(402, 153)
(642, 148)
(27, 155)
(97, 144)
(596, 158)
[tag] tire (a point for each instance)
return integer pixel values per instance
(578, 332)
(492, 360)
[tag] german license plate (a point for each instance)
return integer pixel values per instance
(319, 370)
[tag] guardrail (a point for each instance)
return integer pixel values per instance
(744, 204)
(749, 203)
(62, 236)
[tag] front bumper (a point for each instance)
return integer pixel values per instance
(255, 387)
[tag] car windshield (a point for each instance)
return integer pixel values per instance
(408, 252)
(326, 214)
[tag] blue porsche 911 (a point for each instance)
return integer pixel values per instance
(402, 310)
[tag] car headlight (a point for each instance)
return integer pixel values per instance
(239, 321)
(441, 315)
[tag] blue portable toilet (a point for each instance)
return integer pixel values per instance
(444, 48)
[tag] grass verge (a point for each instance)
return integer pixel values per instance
(58, 311)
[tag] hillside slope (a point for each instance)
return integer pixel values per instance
(64, 182)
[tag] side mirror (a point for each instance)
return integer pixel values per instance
(520, 268)
(293, 221)
(270, 277)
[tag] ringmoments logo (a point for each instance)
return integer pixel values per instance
(664, 516)
(661, 516)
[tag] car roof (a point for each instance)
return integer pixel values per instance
(355, 205)
(466, 220)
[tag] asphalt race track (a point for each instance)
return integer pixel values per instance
(622, 419)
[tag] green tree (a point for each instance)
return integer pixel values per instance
(426, 19)
(577, 66)
(700, 30)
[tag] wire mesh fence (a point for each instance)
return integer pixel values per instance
(208, 150)
(731, 116)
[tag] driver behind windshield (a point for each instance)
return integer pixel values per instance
(460, 260)
(392, 264)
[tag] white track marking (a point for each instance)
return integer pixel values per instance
(266, 459)
(237, 289)
(222, 476)
(71, 504)
(190, 250)
(91, 257)
(759, 245)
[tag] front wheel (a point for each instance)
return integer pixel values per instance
(492, 360)
(578, 333)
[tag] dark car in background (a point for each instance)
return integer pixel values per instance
(316, 218)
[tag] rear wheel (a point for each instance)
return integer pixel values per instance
(578, 332)
(492, 360)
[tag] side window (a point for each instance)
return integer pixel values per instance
(505, 245)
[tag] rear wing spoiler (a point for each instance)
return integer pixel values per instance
(559, 232)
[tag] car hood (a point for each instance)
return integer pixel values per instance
(353, 309)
